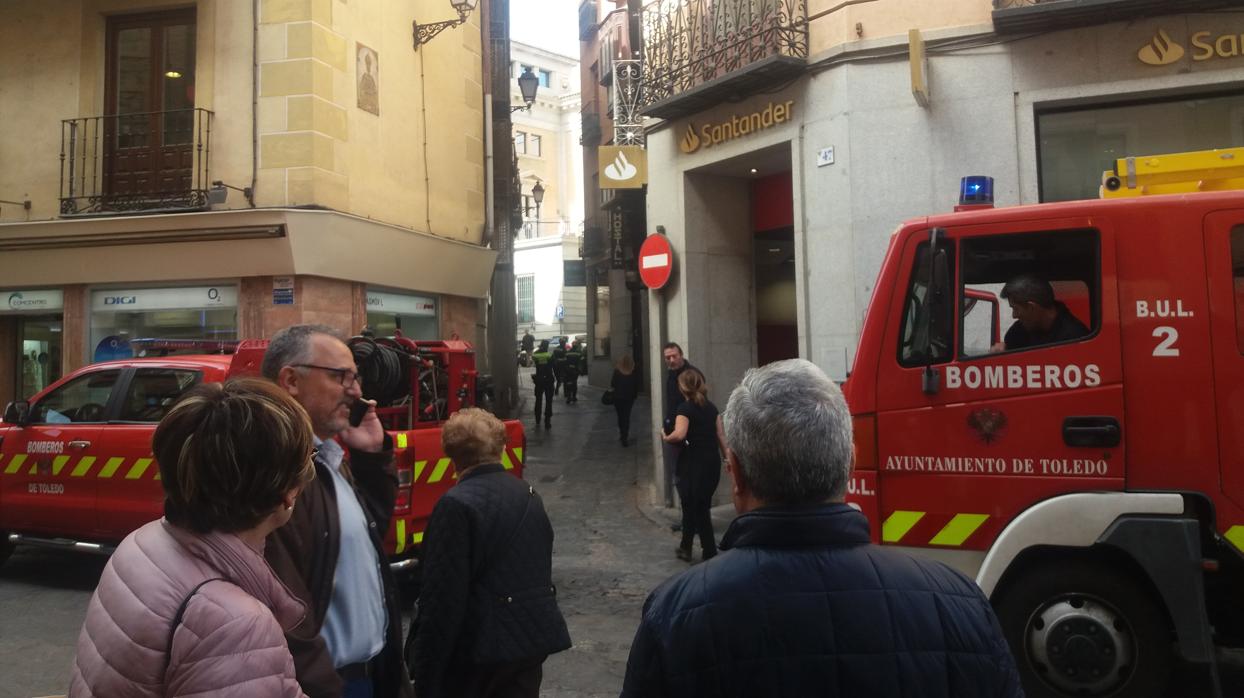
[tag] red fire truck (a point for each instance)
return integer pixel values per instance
(76, 468)
(1093, 486)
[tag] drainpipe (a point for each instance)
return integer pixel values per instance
(254, 99)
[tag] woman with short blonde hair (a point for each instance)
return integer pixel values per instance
(187, 604)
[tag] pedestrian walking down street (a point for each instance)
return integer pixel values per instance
(800, 603)
(331, 554)
(559, 364)
(625, 387)
(488, 614)
(574, 361)
(697, 426)
(187, 605)
(544, 381)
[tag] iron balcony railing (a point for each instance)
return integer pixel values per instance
(135, 162)
(690, 42)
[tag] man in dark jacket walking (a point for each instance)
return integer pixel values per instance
(800, 603)
(488, 612)
(330, 554)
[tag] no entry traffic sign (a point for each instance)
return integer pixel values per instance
(656, 261)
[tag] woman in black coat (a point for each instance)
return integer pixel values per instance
(625, 387)
(698, 423)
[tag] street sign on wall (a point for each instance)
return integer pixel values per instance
(656, 261)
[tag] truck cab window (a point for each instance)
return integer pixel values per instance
(153, 391)
(1021, 292)
(927, 311)
(82, 399)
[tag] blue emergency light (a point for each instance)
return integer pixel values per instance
(975, 189)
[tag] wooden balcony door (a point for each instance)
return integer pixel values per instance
(149, 123)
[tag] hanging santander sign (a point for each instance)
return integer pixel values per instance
(656, 261)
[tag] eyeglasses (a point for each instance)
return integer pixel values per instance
(345, 376)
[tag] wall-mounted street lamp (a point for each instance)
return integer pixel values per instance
(424, 32)
(537, 195)
(219, 193)
(25, 204)
(528, 85)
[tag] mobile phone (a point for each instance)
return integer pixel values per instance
(357, 411)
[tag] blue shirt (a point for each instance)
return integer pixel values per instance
(354, 626)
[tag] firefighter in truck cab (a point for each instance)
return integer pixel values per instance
(1039, 318)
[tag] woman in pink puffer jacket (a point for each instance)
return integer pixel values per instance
(187, 605)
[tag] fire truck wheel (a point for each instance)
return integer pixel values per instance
(1081, 629)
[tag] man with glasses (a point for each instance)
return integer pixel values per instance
(330, 554)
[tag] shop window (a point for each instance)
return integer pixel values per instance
(1237, 272)
(602, 327)
(152, 391)
(1028, 291)
(533, 145)
(1076, 145)
(526, 298)
(927, 316)
(82, 399)
(161, 321)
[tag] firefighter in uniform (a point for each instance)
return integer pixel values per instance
(543, 378)
(570, 376)
(559, 364)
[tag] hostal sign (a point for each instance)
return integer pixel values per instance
(709, 135)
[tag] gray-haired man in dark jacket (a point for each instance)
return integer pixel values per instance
(800, 603)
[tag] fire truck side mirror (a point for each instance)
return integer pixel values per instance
(17, 412)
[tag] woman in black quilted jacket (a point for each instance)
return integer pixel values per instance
(488, 614)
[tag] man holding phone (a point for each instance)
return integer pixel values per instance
(330, 554)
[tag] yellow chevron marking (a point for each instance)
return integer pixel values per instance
(959, 528)
(401, 535)
(419, 466)
(58, 464)
(140, 467)
(417, 538)
(505, 460)
(1235, 534)
(111, 467)
(16, 463)
(401, 443)
(898, 524)
(519, 452)
(83, 466)
(439, 473)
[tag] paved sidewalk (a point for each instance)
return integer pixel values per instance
(612, 548)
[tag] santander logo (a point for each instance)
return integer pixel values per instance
(620, 169)
(1161, 50)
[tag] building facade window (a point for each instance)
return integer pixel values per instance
(1076, 145)
(520, 142)
(414, 316)
(526, 298)
(148, 321)
(533, 145)
(545, 77)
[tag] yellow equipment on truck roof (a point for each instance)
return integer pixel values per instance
(1175, 173)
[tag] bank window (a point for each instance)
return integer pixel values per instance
(82, 399)
(520, 142)
(533, 145)
(152, 391)
(927, 317)
(1237, 273)
(1076, 145)
(1027, 291)
(526, 298)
